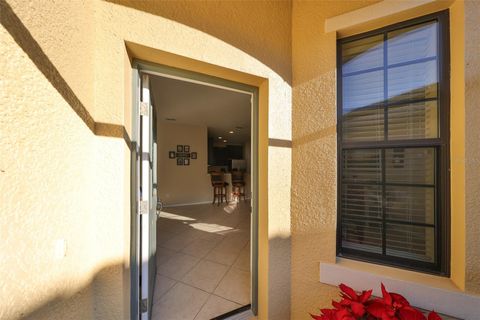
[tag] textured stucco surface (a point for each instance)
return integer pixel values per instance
(254, 38)
(60, 181)
(314, 159)
(472, 146)
(53, 170)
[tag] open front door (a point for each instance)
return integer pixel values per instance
(147, 199)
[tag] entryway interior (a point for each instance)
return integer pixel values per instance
(203, 240)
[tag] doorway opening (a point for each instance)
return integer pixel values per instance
(202, 248)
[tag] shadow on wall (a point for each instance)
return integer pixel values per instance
(80, 303)
(279, 287)
(12, 23)
(260, 28)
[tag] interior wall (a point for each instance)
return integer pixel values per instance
(182, 184)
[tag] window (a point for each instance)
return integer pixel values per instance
(393, 151)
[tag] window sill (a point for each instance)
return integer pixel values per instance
(422, 290)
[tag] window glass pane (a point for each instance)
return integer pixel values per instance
(362, 235)
(411, 242)
(413, 43)
(410, 204)
(360, 201)
(363, 54)
(362, 91)
(390, 186)
(413, 121)
(362, 165)
(364, 124)
(416, 81)
(410, 165)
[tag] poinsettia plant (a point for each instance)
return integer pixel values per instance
(353, 306)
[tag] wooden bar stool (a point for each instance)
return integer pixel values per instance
(238, 185)
(219, 187)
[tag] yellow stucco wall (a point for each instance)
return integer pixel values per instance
(472, 145)
(457, 144)
(314, 160)
(52, 168)
(62, 179)
(86, 42)
(314, 137)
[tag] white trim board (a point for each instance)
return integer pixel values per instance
(383, 9)
(443, 300)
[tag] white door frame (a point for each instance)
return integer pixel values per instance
(142, 67)
(199, 78)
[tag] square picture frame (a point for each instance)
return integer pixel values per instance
(186, 162)
(194, 155)
(179, 148)
(186, 148)
(171, 154)
(179, 161)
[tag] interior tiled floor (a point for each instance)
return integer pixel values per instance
(203, 261)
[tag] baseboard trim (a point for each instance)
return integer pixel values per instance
(192, 203)
(186, 204)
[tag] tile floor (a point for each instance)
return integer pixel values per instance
(203, 261)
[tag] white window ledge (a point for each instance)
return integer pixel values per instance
(422, 290)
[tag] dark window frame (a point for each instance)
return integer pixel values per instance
(442, 146)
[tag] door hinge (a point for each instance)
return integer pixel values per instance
(144, 305)
(143, 207)
(144, 109)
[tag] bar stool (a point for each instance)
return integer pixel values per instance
(219, 187)
(238, 185)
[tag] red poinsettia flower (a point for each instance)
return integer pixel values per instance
(353, 306)
(352, 300)
(334, 314)
(327, 314)
(393, 306)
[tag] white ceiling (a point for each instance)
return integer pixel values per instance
(195, 104)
